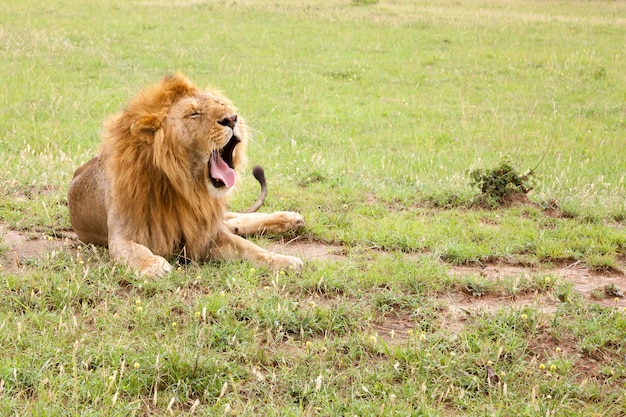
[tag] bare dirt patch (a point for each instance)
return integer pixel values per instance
(395, 329)
(590, 284)
(311, 250)
(26, 245)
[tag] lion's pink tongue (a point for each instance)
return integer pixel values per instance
(221, 171)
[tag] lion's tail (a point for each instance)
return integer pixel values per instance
(259, 174)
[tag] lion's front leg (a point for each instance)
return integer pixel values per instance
(138, 257)
(231, 246)
(247, 224)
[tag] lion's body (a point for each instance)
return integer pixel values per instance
(159, 186)
(86, 200)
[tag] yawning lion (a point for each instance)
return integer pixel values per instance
(160, 183)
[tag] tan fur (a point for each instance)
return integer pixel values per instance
(148, 194)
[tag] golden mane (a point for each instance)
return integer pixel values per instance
(147, 166)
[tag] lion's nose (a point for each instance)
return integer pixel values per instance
(229, 121)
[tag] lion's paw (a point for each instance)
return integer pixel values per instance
(289, 220)
(154, 266)
(286, 263)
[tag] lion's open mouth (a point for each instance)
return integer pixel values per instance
(221, 168)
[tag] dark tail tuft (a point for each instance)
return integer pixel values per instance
(259, 174)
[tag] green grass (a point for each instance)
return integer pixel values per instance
(368, 117)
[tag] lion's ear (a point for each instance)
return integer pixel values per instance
(145, 125)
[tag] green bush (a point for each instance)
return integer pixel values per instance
(502, 184)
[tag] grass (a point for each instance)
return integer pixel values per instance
(369, 117)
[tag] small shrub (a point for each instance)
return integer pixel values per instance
(502, 184)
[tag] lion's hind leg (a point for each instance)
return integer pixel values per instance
(247, 224)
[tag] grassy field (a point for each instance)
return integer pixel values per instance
(369, 118)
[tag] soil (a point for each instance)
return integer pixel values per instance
(27, 245)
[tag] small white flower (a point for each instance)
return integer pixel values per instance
(318, 382)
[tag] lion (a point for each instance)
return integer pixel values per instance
(160, 184)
